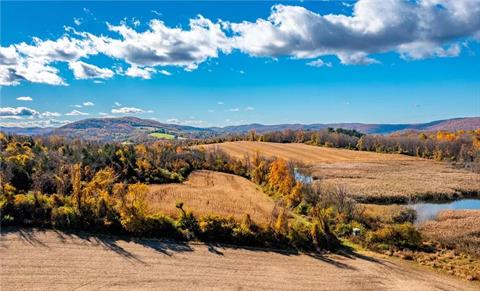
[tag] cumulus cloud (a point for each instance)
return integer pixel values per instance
(117, 104)
(76, 113)
(35, 123)
(144, 73)
(413, 29)
(319, 63)
(18, 112)
(129, 110)
(88, 104)
(24, 98)
(83, 70)
(50, 114)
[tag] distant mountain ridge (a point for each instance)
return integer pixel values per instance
(466, 123)
(137, 129)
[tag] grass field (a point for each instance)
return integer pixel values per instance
(161, 135)
(456, 228)
(371, 177)
(208, 192)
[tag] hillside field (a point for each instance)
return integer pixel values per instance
(369, 176)
(208, 192)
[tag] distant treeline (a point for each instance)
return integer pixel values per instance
(461, 147)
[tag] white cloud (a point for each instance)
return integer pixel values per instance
(83, 70)
(77, 21)
(18, 111)
(233, 109)
(144, 73)
(35, 123)
(164, 72)
(191, 122)
(51, 114)
(76, 113)
(249, 108)
(88, 103)
(319, 63)
(413, 29)
(374, 27)
(118, 104)
(220, 103)
(24, 98)
(242, 72)
(129, 110)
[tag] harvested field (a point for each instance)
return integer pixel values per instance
(456, 228)
(371, 177)
(52, 260)
(208, 192)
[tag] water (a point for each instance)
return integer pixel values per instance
(300, 177)
(428, 211)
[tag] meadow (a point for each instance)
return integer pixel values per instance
(209, 192)
(368, 176)
(161, 135)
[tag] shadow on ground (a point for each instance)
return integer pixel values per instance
(170, 247)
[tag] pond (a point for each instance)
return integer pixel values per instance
(301, 177)
(427, 211)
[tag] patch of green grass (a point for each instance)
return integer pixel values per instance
(162, 135)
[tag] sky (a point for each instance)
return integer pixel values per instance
(227, 63)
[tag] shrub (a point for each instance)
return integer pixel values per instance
(403, 235)
(31, 209)
(405, 215)
(215, 228)
(64, 217)
(158, 225)
(299, 235)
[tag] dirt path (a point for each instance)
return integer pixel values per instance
(50, 260)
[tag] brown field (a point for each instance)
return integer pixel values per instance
(456, 228)
(208, 192)
(52, 260)
(369, 176)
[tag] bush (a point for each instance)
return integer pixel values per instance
(215, 228)
(406, 215)
(31, 209)
(64, 217)
(299, 235)
(403, 235)
(158, 225)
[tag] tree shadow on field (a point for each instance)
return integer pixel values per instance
(116, 244)
(123, 246)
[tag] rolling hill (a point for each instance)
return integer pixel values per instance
(126, 129)
(137, 129)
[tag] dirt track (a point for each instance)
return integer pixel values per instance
(37, 260)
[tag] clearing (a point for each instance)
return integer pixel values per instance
(371, 177)
(52, 260)
(209, 192)
(162, 135)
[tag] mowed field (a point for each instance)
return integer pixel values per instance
(208, 192)
(53, 260)
(366, 174)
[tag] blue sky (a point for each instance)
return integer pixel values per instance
(358, 64)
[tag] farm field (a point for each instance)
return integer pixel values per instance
(161, 135)
(208, 192)
(36, 260)
(371, 177)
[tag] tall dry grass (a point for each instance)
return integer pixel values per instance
(370, 177)
(208, 192)
(458, 229)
